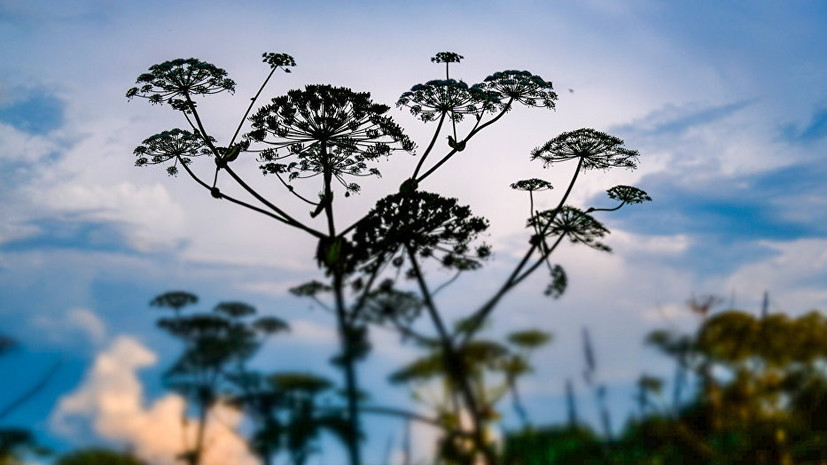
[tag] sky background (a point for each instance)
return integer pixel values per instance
(725, 101)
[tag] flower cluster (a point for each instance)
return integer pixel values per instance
(325, 126)
(521, 86)
(169, 145)
(596, 149)
(170, 80)
(531, 185)
(388, 304)
(447, 57)
(425, 224)
(580, 227)
(435, 98)
(628, 194)
(278, 60)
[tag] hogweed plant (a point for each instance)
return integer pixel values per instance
(318, 141)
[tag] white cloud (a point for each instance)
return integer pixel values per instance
(794, 277)
(111, 399)
(20, 146)
(88, 322)
(75, 320)
(154, 220)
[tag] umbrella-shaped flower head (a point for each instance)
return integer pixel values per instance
(521, 86)
(628, 194)
(278, 60)
(433, 99)
(531, 185)
(167, 82)
(596, 149)
(447, 57)
(423, 223)
(325, 126)
(580, 227)
(170, 145)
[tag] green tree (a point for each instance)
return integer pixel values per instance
(320, 138)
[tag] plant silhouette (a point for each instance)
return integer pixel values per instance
(377, 270)
(216, 345)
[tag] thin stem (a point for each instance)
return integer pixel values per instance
(255, 194)
(592, 209)
(543, 259)
(446, 283)
(456, 367)
(467, 138)
(37, 387)
(480, 315)
(345, 328)
(234, 200)
(517, 401)
(252, 102)
(199, 438)
(293, 191)
(328, 192)
(201, 126)
(237, 179)
(357, 308)
(350, 371)
(430, 146)
(291, 221)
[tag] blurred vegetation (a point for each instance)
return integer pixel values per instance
(758, 395)
(15, 442)
(98, 456)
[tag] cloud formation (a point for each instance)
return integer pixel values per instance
(111, 400)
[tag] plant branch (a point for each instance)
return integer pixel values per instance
(456, 367)
(467, 138)
(430, 146)
(482, 313)
(250, 107)
(290, 220)
(233, 199)
(37, 387)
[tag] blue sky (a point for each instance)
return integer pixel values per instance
(725, 101)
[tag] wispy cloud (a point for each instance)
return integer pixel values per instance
(673, 120)
(814, 130)
(75, 320)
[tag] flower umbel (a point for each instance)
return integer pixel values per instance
(521, 86)
(279, 60)
(169, 145)
(447, 57)
(424, 223)
(431, 100)
(580, 227)
(531, 185)
(597, 150)
(628, 194)
(170, 80)
(328, 126)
